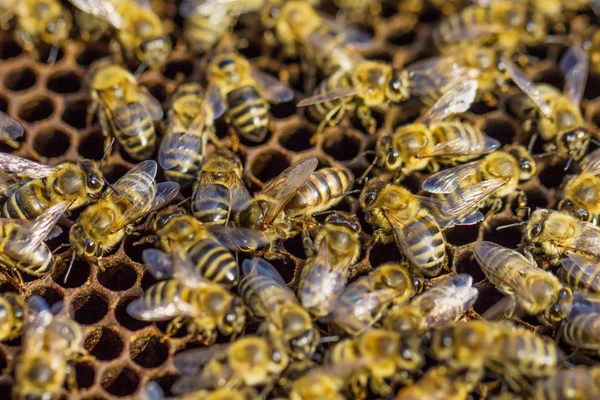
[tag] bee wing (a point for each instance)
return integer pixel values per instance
(591, 163)
(214, 98)
(437, 74)
(15, 168)
(234, 238)
(460, 147)
(150, 103)
(165, 192)
(259, 266)
(527, 87)
(207, 194)
(190, 361)
(461, 294)
(350, 34)
(284, 186)
(39, 314)
(584, 303)
(473, 32)
(153, 391)
(447, 181)
(159, 310)
(10, 128)
(206, 7)
(43, 225)
(359, 312)
(574, 65)
(584, 268)
(185, 146)
(588, 241)
(457, 99)
(176, 265)
(202, 380)
(270, 88)
(139, 178)
(102, 9)
(332, 95)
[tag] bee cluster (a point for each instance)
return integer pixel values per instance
(335, 199)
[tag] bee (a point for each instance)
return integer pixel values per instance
(388, 356)
(208, 246)
(139, 31)
(365, 300)
(557, 116)
(398, 215)
(22, 246)
(581, 327)
(503, 24)
(581, 192)
(552, 234)
(249, 361)
(12, 315)
(244, 92)
(153, 391)
(219, 190)
(439, 383)
(125, 110)
(202, 305)
(53, 344)
(330, 256)
(10, 130)
(447, 301)
(265, 213)
(574, 383)
(102, 225)
(31, 188)
(431, 141)
(580, 272)
(502, 171)
(324, 383)
(37, 22)
(183, 148)
(266, 294)
(532, 289)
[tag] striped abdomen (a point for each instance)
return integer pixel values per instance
(263, 295)
(569, 384)
(319, 287)
(134, 129)
(322, 191)
(426, 245)
(214, 210)
(451, 30)
(320, 111)
(167, 292)
(249, 113)
(183, 173)
(583, 332)
(448, 131)
(202, 34)
(13, 239)
(214, 262)
(585, 276)
(30, 200)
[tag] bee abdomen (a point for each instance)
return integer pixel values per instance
(202, 34)
(166, 292)
(249, 113)
(214, 210)
(574, 276)
(319, 111)
(426, 245)
(184, 174)
(583, 331)
(29, 201)
(214, 262)
(322, 191)
(138, 138)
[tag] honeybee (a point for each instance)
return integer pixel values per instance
(31, 188)
(37, 22)
(500, 23)
(139, 30)
(365, 300)
(12, 315)
(582, 326)
(10, 130)
(580, 272)
(208, 246)
(552, 234)
(430, 140)
(439, 383)
(504, 168)
(183, 148)
(51, 346)
(581, 192)
(323, 383)
(266, 294)
(202, 305)
(22, 246)
(567, 384)
(530, 288)
(335, 249)
(398, 215)
(388, 356)
(153, 391)
(445, 302)
(556, 116)
(265, 213)
(219, 189)
(244, 92)
(102, 225)
(247, 362)
(125, 110)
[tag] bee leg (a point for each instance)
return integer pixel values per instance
(358, 386)
(71, 378)
(333, 117)
(235, 140)
(12, 143)
(496, 207)
(309, 246)
(366, 118)
(173, 327)
(380, 386)
(149, 239)
(11, 272)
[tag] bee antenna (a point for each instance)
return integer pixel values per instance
(329, 339)
(569, 162)
(183, 201)
(111, 187)
(531, 143)
(53, 54)
(542, 155)
(106, 152)
(363, 178)
(498, 228)
(595, 141)
(70, 266)
(140, 70)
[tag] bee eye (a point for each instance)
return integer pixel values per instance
(447, 340)
(395, 84)
(536, 229)
(418, 283)
(526, 165)
(583, 214)
(392, 158)
(90, 247)
(370, 197)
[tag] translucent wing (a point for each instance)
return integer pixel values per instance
(447, 181)
(159, 309)
(591, 163)
(436, 74)
(39, 314)
(190, 361)
(153, 391)
(208, 195)
(235, 238)
(258, 266)
(158, 263)
(139, 207)
(283, 187)
(271, 89)
(332, 95)
(583, 269)
(457, 99)
(460, 147)
(103, 9)
(206, 7)
(527, 87)
(588, 240)
(574, 66)
(150, 103)
(176, 265)
(14, 167)
(348, 34)
(43, 225)
(472, 32)
(584, 303)
(138, 179)
(356, 314)
(179, 149)
(459, 296)
(214, 98)
(10, 128)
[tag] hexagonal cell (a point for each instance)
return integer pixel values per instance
(92, 146)
(383, 253)
(461, 235)
(500, 128)
(92, 52)
(9, 48)
(80, 272)
(126, 320)
(75, 113)
(402, 37)
(553, 175)
(51, 142)
(90, 308)
(105, 344)
(507, 237)
(51, 55)
(118, 277)
(149, 351)
(85, 374)
(466, 263)
(120, 381)
(64, 82)
(166, 382)
(20, 79)
(342, 146)
(176, 68)
(269, 165)
(297, 138)
(37, 109)
(52, 296)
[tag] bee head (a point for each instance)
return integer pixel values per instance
(388, 156)
(232, 312)
(398, 87)
(526, 162)
(568, 206)
(82, 243)
(574, 143)
(154, 52)
(561, 308)
(165, 215)
(253, 216)
(299, 334)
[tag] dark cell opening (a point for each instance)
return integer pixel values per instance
(20, 79)
(36, 110)
(178, 67)
(297, 139)
(79, 274)
(64, 82)
(120, 381)
(149, 351)
(104, 344)
(85, 374)
(75, 113)
(118, 277)
(269, 165)
(51, 143)
(90, 308)
(342, 147)
(126, 320)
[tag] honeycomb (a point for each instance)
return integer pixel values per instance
(51, 101)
